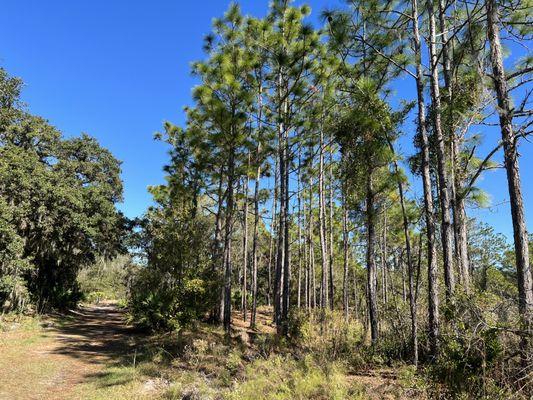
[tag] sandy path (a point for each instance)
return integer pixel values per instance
(49, 363)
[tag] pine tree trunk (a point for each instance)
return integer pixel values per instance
(312, 278)
(331, 236)
(322, 224)
(300, 254)
(404, 289)
(446, 226)
(271, 254)
(256, 210)
(370, 259)
(411, 273)
(345, 302)
(281, 233)
(457, 201)
(305, 253)
(227, 244)
(410, 266)
(244, 294)
(433, 299)
(255, 238)
(355, 297)
(218, 312)
(278, 277)
(523, 267)
(286, 242)
(384, 260)
(460, 221)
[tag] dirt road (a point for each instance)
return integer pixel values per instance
(52, 360)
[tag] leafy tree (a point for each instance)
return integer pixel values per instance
(58, 204)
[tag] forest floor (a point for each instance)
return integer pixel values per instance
(92, 353)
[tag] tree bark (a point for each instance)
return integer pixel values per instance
(331, 236)
(281, 233)
(273, 214)
(384, 259)
(460, 222)
(217, 247)
(433, 299)
(286, 242)
(370, 259)
(322, 224)
(444, 190)
(227, 244)
(312, 277)
(244, 294)
(523, 268)
(300, 253)
(345, 302)
(256, 211)
(411, 274)
(255, 242)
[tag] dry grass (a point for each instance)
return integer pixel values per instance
(93, 354)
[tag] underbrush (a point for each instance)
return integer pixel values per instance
(317, 361)
(329, 337)
(480, 352)
(213, 370)
(106, 279)
(19, 322)
(283, 377)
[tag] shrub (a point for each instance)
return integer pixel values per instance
(477, 357)
(159, 306)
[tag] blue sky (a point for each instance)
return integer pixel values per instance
(118, 69)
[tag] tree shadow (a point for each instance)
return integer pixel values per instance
(99, 335)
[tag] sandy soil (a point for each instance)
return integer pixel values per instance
(65, 353)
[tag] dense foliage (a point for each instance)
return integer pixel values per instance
(57, 206)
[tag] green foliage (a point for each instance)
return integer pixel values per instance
(176, 284)
(13, 265)
(365, 129)
(106, 279)
(57, 206)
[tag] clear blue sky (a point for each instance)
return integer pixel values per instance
(117, 69)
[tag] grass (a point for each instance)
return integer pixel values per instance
(114, 382)
(22, 339)
(200, 363)
(284, 378)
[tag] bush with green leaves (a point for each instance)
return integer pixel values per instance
(177, 284)
(157, 305)
(14, 293)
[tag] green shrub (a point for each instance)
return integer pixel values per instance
(158, 306)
